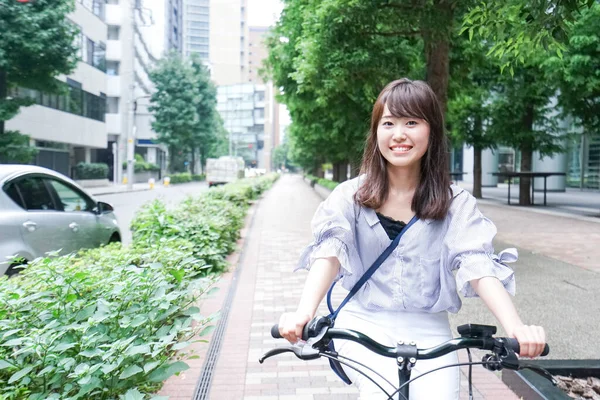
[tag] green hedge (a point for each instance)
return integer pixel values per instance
(323, 182)
(183, 177)
(141, 165)
(110, 323)
(91, 171)
(198, 177)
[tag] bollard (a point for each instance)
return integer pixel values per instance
(166, 181)
(124, 180)
(151, 183)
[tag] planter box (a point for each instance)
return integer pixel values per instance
(531, 386)
(92, 183)
(143, 176)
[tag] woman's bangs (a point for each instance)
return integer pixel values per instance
(406, 101)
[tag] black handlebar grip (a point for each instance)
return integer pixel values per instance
(514, 345)
(275, 332)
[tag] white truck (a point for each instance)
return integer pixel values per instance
(224, 170)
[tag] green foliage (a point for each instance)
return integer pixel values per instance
(184, 110)
(198, 177)
(211, 221)
(518, 29)
(31, 59)
(111, 323)
(573, 70)
(15, 148)
(141, 165)
(91, 171)
(184, 177)
(321, 181)
(101, 323)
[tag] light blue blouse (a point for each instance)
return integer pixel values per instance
(432, 260)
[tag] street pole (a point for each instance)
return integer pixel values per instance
(132, 105)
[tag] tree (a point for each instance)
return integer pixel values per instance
(574, 71)
(184, 107)
(522, 116)
(173, 105)
(469, 108)
(331, 58)
(37, 45)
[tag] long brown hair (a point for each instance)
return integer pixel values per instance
(406, 98)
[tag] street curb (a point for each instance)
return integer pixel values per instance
(539, 211)
(321, 190)
(120, 191)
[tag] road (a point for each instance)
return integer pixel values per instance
(126, 204)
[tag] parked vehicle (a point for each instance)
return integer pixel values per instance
(42, 211)
(224, 169)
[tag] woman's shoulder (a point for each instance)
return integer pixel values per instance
(461, 199)
(348, 188)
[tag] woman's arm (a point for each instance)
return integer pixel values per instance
(531, 338)
(320, 277)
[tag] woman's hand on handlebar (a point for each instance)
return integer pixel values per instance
(291, 325)
(531, 338)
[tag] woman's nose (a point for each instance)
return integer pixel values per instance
(399, 134)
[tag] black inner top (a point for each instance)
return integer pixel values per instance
(391, 226)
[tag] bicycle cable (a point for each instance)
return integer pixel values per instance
(370, 369)
(363, 374)
(470, 374)
(437, 369)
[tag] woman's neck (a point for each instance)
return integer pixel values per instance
(403, 180)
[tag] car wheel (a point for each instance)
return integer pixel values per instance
(115, 238)
(13, 270)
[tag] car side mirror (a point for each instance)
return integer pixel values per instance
(104, 208)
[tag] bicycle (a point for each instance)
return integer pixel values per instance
(319, 332)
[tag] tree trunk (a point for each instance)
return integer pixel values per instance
(354, 168)
(437, 51)
(343, 171)
(193, 168)
(3, 93)
(318, 170)
(477, 172)
(526, 158)
(336, 172)
(525, 183)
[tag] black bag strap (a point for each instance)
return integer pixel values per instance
(367, 275)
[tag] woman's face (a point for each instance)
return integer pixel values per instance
(402, 141)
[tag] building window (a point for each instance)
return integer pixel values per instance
(112, 1)
(112, 68)
(113, 32)
(112, 105)
(198, 47)
(198, 24)
(73, 100)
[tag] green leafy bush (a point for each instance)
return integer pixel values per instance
(91, 171)
(111, 323)
(141, 165)
(327, 183)
(200, 177)
(183, 177)
(100, 324)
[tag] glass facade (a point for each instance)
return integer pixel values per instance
(196, 36)
(73, 100)
(584, 162)
(98, 7)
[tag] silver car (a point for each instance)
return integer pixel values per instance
(42, 211)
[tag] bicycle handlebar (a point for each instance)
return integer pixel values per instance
(485, 343)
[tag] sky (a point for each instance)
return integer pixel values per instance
(263, 12)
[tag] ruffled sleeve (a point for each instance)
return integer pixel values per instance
(469, 247)
(333, 227)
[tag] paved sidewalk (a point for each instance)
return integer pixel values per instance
(267, 287)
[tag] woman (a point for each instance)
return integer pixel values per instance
(404, 174)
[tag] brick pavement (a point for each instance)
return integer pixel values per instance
(267, 287)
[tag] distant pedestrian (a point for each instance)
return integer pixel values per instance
(447, 247)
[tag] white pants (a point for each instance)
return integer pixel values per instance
(387, 328)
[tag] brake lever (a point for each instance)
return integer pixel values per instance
(301, 350)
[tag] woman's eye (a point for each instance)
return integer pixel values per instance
(411, 123)
(387, 123)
